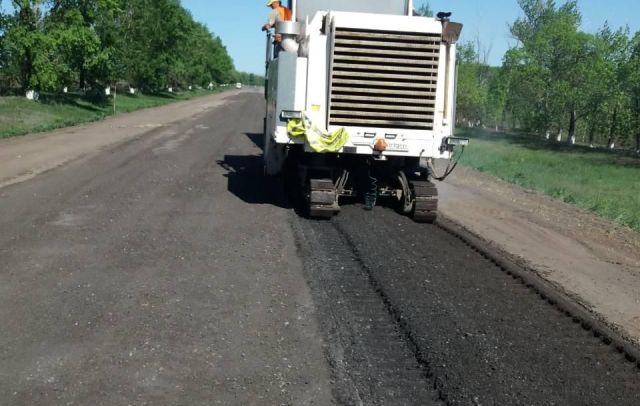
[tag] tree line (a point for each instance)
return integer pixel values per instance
(47, 45)
(557, 81)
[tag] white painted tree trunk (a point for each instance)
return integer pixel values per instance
(548, 136)
(65, 90)
(107, 91)
(572, 140)
(559, 136)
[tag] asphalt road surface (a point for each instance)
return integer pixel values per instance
(152, 274)
(167, 270)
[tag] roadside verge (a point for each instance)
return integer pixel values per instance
(591, 260)
(22, 158)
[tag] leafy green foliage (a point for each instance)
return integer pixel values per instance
(72, 24)
(249, 79)
(4, 25)
(553, 52)
(474, 79)
(87, 44)
(632, 86)
(601, 181)
(425, 10)
(557, 79)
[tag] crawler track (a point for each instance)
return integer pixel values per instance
(479, 329)
(426, 206)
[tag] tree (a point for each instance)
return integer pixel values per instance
(563, 79)
(481, 95)
(73, 24)
(607, 100)
(4, 56)
(632, 85)
(29, 47)
(557, 53)
(424, 10)
(556, 79)
(471, 97)
(2, 20)
(250, 79)
(497, 94)
(157, 44)
(149, 44)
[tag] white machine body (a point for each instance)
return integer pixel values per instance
(380, 74)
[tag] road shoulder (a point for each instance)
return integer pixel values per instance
(22, 158)
(592, 260)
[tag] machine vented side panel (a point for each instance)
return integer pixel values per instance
(384, 79)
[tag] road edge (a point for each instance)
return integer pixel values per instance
(591, 322)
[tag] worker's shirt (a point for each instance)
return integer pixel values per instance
(278, 15)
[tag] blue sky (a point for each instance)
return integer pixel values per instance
(238, 23)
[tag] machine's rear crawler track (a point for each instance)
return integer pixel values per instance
(322, 198)
(425, 205)
(323, 189)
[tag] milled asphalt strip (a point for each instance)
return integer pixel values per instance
(546, 290)
(396, 315)
(372, 362)
(485, 335)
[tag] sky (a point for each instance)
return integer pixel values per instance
(238, 23)
(486, 22)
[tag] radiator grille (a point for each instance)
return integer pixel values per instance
(384, 79)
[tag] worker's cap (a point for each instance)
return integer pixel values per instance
(270, 2)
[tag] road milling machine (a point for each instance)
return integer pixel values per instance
(360, 102)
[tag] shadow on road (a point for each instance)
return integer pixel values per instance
(247, 181)
(257, 139)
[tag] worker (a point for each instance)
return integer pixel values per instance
(278, 14)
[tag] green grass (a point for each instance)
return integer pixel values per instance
(19, 116)
(606, 183)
